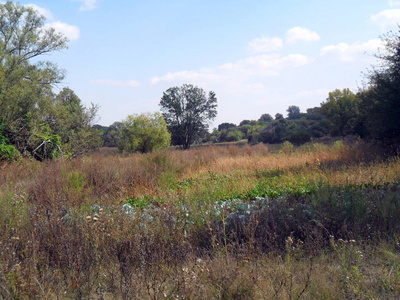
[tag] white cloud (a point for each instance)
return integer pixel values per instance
(42, 11)
(259, 65)
(69, 31)
(301, 34)
(349, 52)
(394, 3)
(387, 18)
(267, 64)
(117, 83)
(264, 44)
(87, 4)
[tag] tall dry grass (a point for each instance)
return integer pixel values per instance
(64, 233)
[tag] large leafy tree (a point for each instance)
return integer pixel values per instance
(225, 126)
(25, 86)
(266, 118)
(112, 136)
(341, 108)
(36, 120)
(187, 110)
(73, 123)
(381, 100)
(144, 133)
(293, 112)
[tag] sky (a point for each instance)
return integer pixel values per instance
(257, 56)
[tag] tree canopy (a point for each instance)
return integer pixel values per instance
(187, 110)
(293, 111)
(341, 108)
(35, 119)
(381, 100)
(265, 118)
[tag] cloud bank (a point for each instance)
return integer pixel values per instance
(387, 19)
(69, 31)
(350, 52)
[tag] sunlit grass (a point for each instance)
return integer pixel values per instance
(216, 222)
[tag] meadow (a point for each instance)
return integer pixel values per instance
(251, 222)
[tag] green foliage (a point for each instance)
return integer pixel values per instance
(73, 123)
(380, 113)
(234, 136)
(338, 145)
(287, 148)
(25, 87)
(254, 138)
(144, 201)
(37, 122)
(300, 136)
(224, 126)
(76, 180)
(265, 118)
(144, 133)
(293, 112)
(244, 122)
(341, 108)
(186, 111)
(50, 146)
(112, 135)
(7, 152)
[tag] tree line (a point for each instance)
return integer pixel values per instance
(372, 113)
(38, 122)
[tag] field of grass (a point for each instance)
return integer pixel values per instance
(314, 222)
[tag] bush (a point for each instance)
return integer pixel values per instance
(144, 133)
(300, 137)
(287, 148)
(9, 153)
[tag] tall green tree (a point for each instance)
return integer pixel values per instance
(381, 99)
(224, 126)
(341, 108)
(267, 118)
(293, 112)
(144, 133)
(187, 110)
(113, 134)
(25, 86)
(73, 123)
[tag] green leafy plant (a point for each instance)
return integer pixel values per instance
(287, 148)
(7, 152)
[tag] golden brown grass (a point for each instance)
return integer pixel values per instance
(64, 234)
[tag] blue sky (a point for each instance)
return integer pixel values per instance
(257, 56)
